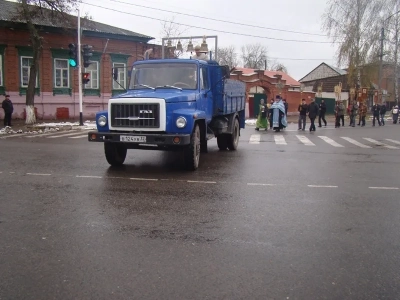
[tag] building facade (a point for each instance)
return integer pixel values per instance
(56, 95)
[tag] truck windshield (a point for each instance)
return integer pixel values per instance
(179, 75)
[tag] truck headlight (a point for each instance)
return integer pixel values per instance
(181, 122)
(102, 121)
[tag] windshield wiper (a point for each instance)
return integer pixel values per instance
(170, 86)
(146, 86)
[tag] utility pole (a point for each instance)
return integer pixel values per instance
(380, 65)
(80, 70)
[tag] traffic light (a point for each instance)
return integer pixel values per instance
(73, 58)
(87, 54)
(85, 78)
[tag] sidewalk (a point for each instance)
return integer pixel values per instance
(42, 126)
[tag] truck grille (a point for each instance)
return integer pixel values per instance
(135, 115)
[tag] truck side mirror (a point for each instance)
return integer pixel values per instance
(226, 72)
(115, 74)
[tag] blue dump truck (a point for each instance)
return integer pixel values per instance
(173, 104)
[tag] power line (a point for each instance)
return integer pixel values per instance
(204, 28)
(218, 20)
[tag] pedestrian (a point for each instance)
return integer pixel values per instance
(353, 113)
(286, 106)
(339, 114)
(382, 113)
(278, 115)
(8, 110)
(322, 111)
(395, 114)
(270, 113)
(363, 113)
(313, 110)
(262, 121)
(375, 112)
(303, 109)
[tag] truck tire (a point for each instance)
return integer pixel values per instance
(192, 152)
(222, 142)
(115, 153)
(233, 139)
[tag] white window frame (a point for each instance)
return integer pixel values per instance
(1, 70)
(55, 71)
(29, 73)
(89, 85)
(116, 86)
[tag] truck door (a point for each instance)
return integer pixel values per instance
(206, 100)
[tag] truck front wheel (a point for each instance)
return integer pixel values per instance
(115, 153)
(192, 152)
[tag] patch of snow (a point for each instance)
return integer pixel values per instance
(251, 121)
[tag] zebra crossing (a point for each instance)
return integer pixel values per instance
(340, 142)
(70, 134)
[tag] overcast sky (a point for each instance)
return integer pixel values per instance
(292, 15)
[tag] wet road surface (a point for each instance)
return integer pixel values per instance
(266, 222)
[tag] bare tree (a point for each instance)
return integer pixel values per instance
(227, 56)
(30, 12)
(169, 28)
(254, 56)
(352, 25)
(277, 66)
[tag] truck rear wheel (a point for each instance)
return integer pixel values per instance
(192, 152)
(115, 153)
(222, 142)
(233, 139)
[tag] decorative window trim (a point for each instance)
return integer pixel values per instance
(24, 52)
(61, 54)
(121, 59)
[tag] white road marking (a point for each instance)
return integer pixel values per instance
(330, 141)
(354, 142)
(280, 140)
(79, 136)
(383, 188)
(87, 176)
(305, 140)
(380, 144)
(322, 186)
(255, 139)
(62, 135)
(38, 174)
(261, 184)
(144, 179)
(195, 181)
(393, 141)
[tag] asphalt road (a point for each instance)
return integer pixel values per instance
(277, 219)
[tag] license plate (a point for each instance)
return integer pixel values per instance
(132, 139)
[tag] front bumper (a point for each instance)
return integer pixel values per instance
(135, 139)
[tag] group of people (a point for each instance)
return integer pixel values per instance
(312, 110)
(361, 109)
(272, 115)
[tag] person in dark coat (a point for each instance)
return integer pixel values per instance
(375, 112)
(322, 111)
(382, 112)
(8, 110)
(303, 108)
(313, 111)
